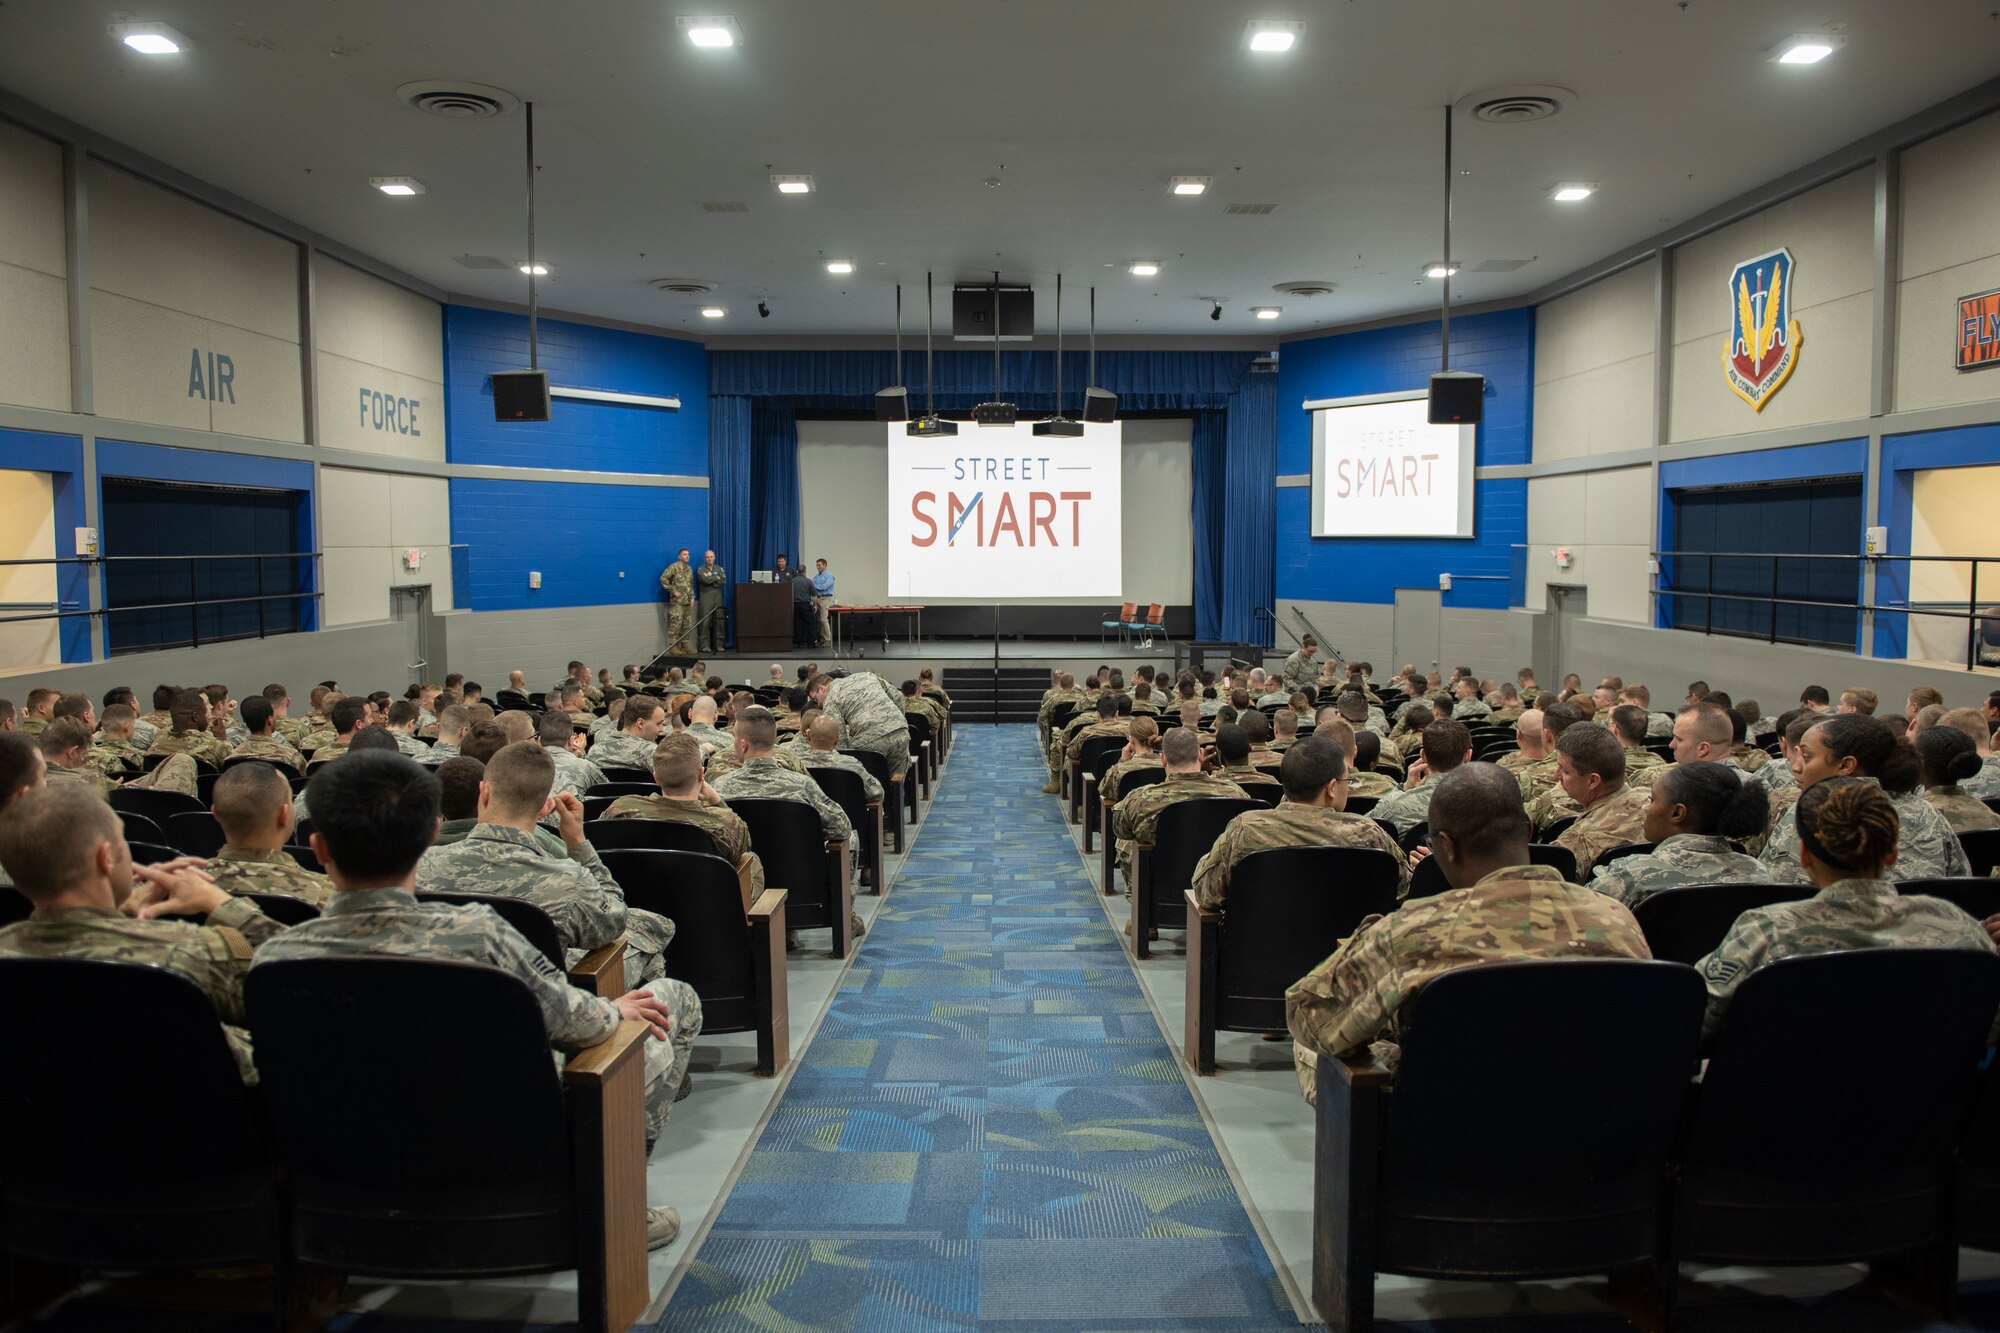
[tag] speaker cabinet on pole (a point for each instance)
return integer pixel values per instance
(520, 395)
(892, 404)
(1457, 398)
(1100, 405)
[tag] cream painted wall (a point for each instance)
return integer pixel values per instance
(27, 532)
(1594, 395)
(34, 305)
(367, 520)
(1830, 232)
(170, 277)
(1952, 512)
(378, 339)
(1950, 248)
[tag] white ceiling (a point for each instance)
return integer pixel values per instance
(1083, 108)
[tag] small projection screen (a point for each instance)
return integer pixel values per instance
(1379, 469)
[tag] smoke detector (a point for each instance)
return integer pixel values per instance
(1309, 288)
(1517, 105)
(457, 99)
(682, 286)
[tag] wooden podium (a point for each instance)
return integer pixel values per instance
(764, 617)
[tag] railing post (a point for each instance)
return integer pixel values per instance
(260, 596)
(1708, 598)
(1774, 599)
(194, 602)
(1972, 620)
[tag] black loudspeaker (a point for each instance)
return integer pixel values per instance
(995, 414)
(1100, 405)
(892, 404)
(521, 395)
(1457, 398)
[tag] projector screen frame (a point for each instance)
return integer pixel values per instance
(1467, 468)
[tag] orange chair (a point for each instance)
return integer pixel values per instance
(1123, 623)
(1155, 623)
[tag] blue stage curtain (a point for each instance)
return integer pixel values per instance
(774, 484)
(1208, 461)
(1249, 557)
(729, 494)
(1143, 381)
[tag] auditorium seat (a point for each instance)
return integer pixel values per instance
(1164, 868)
(637, 777)
(1618, 853)
(1267, 794)
(922, 755)
(1428, 880)
(600, 971)
(1685, 923)
(195, 832)
(733, 956)
(1770, 1174)
(283, 907)
(141, 828)
(1361, 805)
(1288, 909)
(158, 806)
(1982, 848)
(1979, 897)
(1098, 754)
(1423, 1193)
(1131, 782)
(614, 789)
(1122, 624)
(544, 1170)
(892, 792)
(799, 859)
(663, 834)
(147, 853)
(851, 795)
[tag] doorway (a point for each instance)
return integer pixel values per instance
(1567, 604)
(1418, 631)
(410, 607)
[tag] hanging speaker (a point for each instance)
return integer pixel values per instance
(520, 395)
(892, 404)
(1100, 405)
(1456, 398)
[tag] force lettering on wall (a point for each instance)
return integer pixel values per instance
(219, 385)
(389, 413)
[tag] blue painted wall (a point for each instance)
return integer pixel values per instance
(1903, 456)
(1500, 346)
(61, 456)
(578, 536)
(581, 436)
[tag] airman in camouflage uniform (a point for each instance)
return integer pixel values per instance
(1964, 812)
(1536, 776)
(678, 580)
(1926, 846)
(1986, 782)
(1291, 824)
(391, 922)
(199, 744)
(1848, 914)
(1748, 757)
(1136, 818)
(724, 827)
(86, 776)
(623, 749)
(870, 714)
(574, 774)
(1613, 820)
(1299, 671)
(1410, 807)
(1066, 692)
(727, 761)
(813, 757)
(1642, 766)
(1116, 773)
(765, 776)
(115, 759)
(1684, 858)
(237, 869)
(272, 748)
(1353, 1000)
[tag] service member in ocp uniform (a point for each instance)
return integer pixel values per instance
(709, 579)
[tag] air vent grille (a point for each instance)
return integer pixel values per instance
(724, 206)
(480, 261)
(1251, 210)
(1307, 287)
(683, 286)
(1518, 105)
(456, 99)
(1500, 265)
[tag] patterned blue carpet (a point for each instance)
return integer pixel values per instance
(988, 1130)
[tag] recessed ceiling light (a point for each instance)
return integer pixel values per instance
(1267, 311)
(149, 39)
(397, 185)
(1144, 268)
(1806, 48)
(793, 184)
(1570, 191)
(1270, 36)
(539, 268)
(1191, 184)
(710, 30)
(839, 266)
(713, 312)
(1439, 269)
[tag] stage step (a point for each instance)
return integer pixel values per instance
(979, 694)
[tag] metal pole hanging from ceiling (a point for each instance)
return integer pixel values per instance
(534, 360)
(1446, 365)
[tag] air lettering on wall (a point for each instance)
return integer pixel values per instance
(1763, 346)
(219, 385)
(1979, 330)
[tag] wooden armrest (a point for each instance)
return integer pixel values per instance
(601, 971)
(595, 1065)
(875, 803)
(1362, 1070)
(769, 904)
(743, 879)
(767, 966)
(1198, 913)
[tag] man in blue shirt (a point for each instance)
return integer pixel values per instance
(823, 600)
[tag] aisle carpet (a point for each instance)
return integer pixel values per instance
(989, 1130)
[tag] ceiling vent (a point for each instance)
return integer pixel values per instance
(456, 99)
(1517, 106)
(724, 206)
(1309, 288)
(480, 261)
(1251, 210)
(682, 286)
(1500, 265)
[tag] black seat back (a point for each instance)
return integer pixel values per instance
(614, 773)
(195, 832)
(1267, 794)
(1427, 880)
(283, 907)
(710, 950)
(1771, 1170)
(1685, 924)
(920, 731)
(1186, 830)
(1140, 777)
(847, 792)
(1477, 1071)
(1976, 1193)
(522, 915)
(1618, 853)
(286, 769)
(1290, 907)
(140, 829)
(158, 806)
(646, 788)
(364, 1116)
(1361, 805)
(1099, 753)
(1982, 848)
(654, 834)
(71, 1191)
(792, 846)
(1978, 897)
(874, 765)
(14, 905)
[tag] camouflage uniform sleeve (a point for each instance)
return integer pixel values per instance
(1384, 842)
(1613, 882)
(575, 1018)
(243, 916)
(1781, 850)
(870, 786)
(591, 914)
(1345, 1002)
(832, 819)
(1743, 950)
(1211, 875)
(215, 960)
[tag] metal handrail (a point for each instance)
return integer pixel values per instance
(193, 603)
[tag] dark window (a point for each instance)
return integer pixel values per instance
(159, 520)
(1788, 519)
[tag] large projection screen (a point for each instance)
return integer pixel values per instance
(1380, 469)
(844, 512)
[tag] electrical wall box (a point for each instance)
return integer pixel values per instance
(1444, 583)
(1875, 541)
(534, 578)
(86, 541)
(412, 558)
